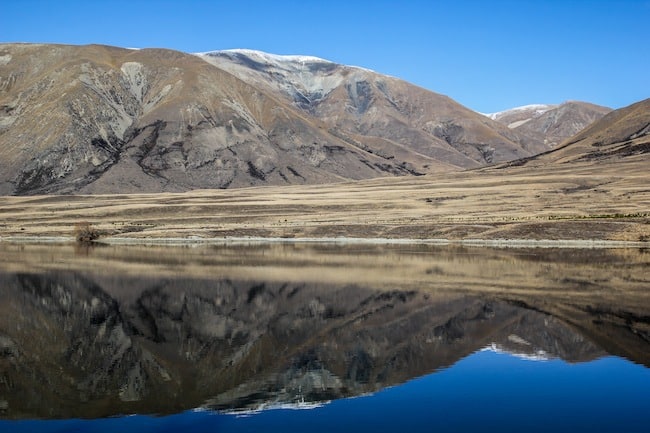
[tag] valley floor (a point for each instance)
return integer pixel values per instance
(560, 202)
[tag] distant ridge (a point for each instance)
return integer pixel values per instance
(550, 124)
(621, 135)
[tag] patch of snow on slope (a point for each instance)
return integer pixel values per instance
(307, 79)
(302, 77)
(275, 58)
(536, 109)
(282, 58)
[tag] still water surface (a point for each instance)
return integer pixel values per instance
(322, 338)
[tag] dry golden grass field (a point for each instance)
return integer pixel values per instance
(577, 201)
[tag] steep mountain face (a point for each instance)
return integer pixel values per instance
(381, 112)
(97, 119)
(551, 124)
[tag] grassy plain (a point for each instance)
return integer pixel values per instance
(577, 201)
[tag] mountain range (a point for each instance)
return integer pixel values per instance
(621, 135)
(551, 124)
(98, 119)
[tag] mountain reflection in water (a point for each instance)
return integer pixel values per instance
(108, 331)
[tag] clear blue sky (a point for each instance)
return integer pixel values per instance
(488, 55)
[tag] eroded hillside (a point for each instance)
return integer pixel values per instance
(98, 119)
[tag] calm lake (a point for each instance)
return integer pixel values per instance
(323, 337)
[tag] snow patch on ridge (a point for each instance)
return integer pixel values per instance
(536, 109)
(307, 79)
(279, 58)
(273, 58)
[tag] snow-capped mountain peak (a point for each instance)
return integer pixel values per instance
(519, 115)
(266, 57)
(306, 79)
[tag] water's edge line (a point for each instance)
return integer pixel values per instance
(192, 241)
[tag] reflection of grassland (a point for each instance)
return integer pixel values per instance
(573, 201)
(570, 274)
(603, 292)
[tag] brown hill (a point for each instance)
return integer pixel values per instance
(97, 119)
(563, 122)
(383, 111)
(100, 119)
(551, 124)
(620, 135)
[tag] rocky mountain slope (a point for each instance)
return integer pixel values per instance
(383, 111)
(623, 134)
(97, 119)
(551, 124)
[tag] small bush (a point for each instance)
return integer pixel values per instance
(84, 232)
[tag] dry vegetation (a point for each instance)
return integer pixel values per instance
(84, 232)
(564, 201)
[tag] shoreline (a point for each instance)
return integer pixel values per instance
(340, 240)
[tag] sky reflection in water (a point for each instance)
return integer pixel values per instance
(485, 391)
